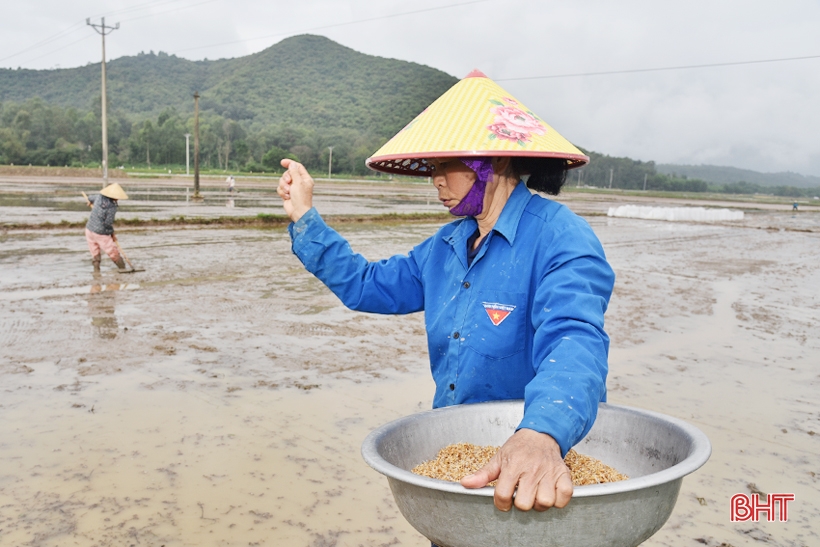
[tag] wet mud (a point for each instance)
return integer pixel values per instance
(220, 397)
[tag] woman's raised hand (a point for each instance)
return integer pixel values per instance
(295, 189)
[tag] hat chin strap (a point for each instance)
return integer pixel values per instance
(472, 204)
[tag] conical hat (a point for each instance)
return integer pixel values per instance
(475, 117)
(114, 191)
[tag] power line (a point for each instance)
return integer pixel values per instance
(45, 41)
(77, 26)
(632, 71)
(60, 48)
(157, 3)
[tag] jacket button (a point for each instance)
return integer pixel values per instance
(466, 285)
(456, 335)
(452, 387)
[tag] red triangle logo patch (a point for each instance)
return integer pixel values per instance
(497, 312)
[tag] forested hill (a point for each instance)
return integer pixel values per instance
(625, 173)
(306, 97)
(303, 81)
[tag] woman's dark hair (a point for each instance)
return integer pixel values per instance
(545, 174)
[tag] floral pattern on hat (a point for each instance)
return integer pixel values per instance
(513, 124)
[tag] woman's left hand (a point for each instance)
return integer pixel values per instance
(532, 462)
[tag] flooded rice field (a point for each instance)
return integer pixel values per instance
(220, 397)
(26, 200)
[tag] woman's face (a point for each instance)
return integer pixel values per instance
(452, 179)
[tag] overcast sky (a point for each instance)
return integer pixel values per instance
(761, 116)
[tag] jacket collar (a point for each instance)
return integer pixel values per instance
(508, 221)
(506, 225)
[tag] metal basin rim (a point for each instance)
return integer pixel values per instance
(698, 455)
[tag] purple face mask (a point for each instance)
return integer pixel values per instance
(473, 203)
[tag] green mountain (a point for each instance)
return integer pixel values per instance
(304, 81)
(728, 175)
(298, 98)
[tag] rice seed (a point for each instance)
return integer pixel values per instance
(456, 461)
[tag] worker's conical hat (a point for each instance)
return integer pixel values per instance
(475, 117)
(114, 191)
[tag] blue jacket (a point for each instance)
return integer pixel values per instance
(524, 321)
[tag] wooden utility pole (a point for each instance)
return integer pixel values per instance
(329, 161)
(196, 146)
(101, 30)
(187, 154)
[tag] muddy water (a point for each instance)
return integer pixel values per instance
(719, 326)
(29, 200)
(221, 396)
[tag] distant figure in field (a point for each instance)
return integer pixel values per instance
(99, 230)
(231, 183)
(794, 206)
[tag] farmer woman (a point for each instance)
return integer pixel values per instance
(514, 292)
(99, 230)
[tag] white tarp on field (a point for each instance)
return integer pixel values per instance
(674, 213)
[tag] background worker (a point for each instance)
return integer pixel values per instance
(513, 293)
(99, 230)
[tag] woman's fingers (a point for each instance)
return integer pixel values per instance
(285, 182)
(483, 476)
(295, 188)
(530, 473)
(554, 492)
(283, 189)
(505, 490)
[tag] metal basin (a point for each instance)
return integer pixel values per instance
(654, 450)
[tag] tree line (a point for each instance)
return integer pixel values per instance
(625, 173)
(37, 133)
